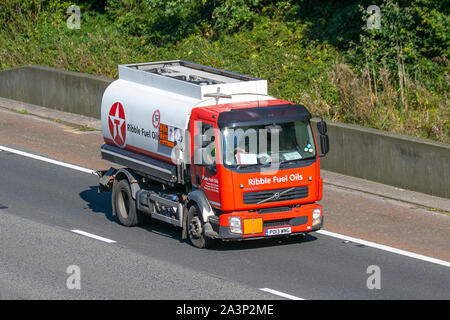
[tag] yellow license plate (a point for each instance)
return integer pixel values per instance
(252, 226)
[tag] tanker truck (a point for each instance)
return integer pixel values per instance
(209, 151)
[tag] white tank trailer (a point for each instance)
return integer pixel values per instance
(147, 110)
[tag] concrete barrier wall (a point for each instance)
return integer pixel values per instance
(54, 88)
(402, 161)
(397, 160)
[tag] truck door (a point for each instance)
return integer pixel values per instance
(203, 165)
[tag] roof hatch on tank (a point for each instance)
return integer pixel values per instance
(191, 79)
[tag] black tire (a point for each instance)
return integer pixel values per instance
(195, 230)
(124, 205)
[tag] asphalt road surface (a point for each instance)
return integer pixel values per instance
(41, 203)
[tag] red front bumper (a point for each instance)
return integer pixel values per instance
(298, 219)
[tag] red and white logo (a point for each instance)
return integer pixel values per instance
(155, 119)
(117, 124)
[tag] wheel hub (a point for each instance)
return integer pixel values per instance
(195, 228)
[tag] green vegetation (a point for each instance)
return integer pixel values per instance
(319, 53)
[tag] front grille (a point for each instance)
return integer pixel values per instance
(257, 196)
(285, 222)
(276, 223)
(274, 209)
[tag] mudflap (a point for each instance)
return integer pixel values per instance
(106, 179)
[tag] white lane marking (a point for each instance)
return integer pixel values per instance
(59, 163)
(385, 248)
(281, 294)
(90, 235)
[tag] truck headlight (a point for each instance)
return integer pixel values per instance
(316, 216)
(235, 224)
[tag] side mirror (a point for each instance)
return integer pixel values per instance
(324, 144)
(322, 127)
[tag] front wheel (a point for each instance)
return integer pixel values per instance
(196, 231)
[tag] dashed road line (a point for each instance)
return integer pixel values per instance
(281, 294)
(90, 235)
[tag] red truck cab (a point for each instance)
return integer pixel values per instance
(253, 194)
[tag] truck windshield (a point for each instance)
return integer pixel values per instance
(266, 144)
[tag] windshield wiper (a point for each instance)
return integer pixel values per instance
(290, 161)
(244, 166)
(247, 165)
(294, 160)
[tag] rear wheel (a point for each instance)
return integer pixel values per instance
(196, 231)
(125, 205)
